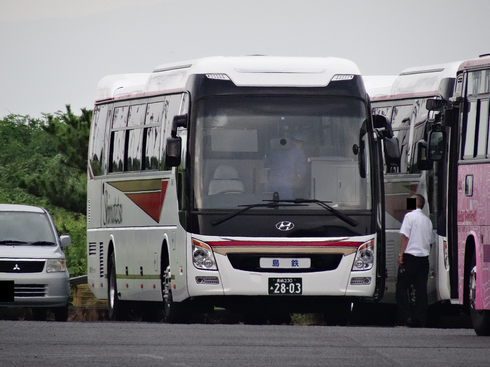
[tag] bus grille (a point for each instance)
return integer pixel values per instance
(29, 290)
(92, 248)
(23, 266)
(251, 262)
(101, 259)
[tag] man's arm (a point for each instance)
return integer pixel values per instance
(403, 247)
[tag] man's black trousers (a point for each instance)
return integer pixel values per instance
(414, 271)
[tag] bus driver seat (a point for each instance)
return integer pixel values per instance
(225, 181)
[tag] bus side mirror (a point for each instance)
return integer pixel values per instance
(383, 126)
(436, 104)
(437, 144)
(423, 161)
(178, 121)
(173, 151)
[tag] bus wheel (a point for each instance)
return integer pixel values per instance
(479, 318)
(175, 312)
(338, 313)
(115, 308)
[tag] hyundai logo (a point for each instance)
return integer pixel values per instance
(285, 225)
(16, 267)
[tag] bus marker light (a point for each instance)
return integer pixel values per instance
(342, 77)
(141, 286)
(218, 76)
(360, 281)
(127, 285)
(93, 285)
(101, 285)
(154, 286)
(207, 280)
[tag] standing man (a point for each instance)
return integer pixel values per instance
(413, 264)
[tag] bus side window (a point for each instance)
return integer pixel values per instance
(118, 138)
(97, 144)
(483, 130)
(471, 130)
(152, 137)
(134, 137)
(401, 129)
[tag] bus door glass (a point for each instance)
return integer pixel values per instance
(401, 129)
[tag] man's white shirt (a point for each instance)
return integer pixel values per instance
(418, 228)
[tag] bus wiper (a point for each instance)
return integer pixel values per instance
(12, 242)
(272, 204)
(323, 204)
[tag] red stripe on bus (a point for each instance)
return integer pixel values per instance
(283, 244)
(151, 203)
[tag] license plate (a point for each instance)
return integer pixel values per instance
(6, 291)
(285, 286)
(285, 263)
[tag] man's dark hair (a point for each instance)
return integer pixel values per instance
(420, 201)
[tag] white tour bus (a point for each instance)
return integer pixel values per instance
(249, 183)
(408, 170)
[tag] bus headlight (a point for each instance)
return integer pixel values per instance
(202, 256)
(364, 257)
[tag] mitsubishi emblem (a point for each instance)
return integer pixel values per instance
(16, 267)
(285, 225)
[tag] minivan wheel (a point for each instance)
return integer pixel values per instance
(60, 313)
(39, 313)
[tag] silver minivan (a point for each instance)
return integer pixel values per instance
(33, 269)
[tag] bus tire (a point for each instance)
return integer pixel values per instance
(479, 318)
(115, 308)
(338, 313)
(175, 312)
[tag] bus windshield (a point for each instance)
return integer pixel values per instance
(250, 150)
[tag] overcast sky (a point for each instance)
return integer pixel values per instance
(54, 52)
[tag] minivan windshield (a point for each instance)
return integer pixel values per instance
(23, 228)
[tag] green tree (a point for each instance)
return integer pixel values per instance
(71, 134)
(62, 178)
(36, 169)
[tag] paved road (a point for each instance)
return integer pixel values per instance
(29, 343)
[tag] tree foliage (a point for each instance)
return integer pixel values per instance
(62, 177)
(71, 135)
(43, 162)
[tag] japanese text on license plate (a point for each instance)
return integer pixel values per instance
(285, 286)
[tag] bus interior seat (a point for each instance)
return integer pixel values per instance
(392, 154)
(225, 180)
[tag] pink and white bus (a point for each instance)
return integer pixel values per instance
(441, 149)
(466, 117)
